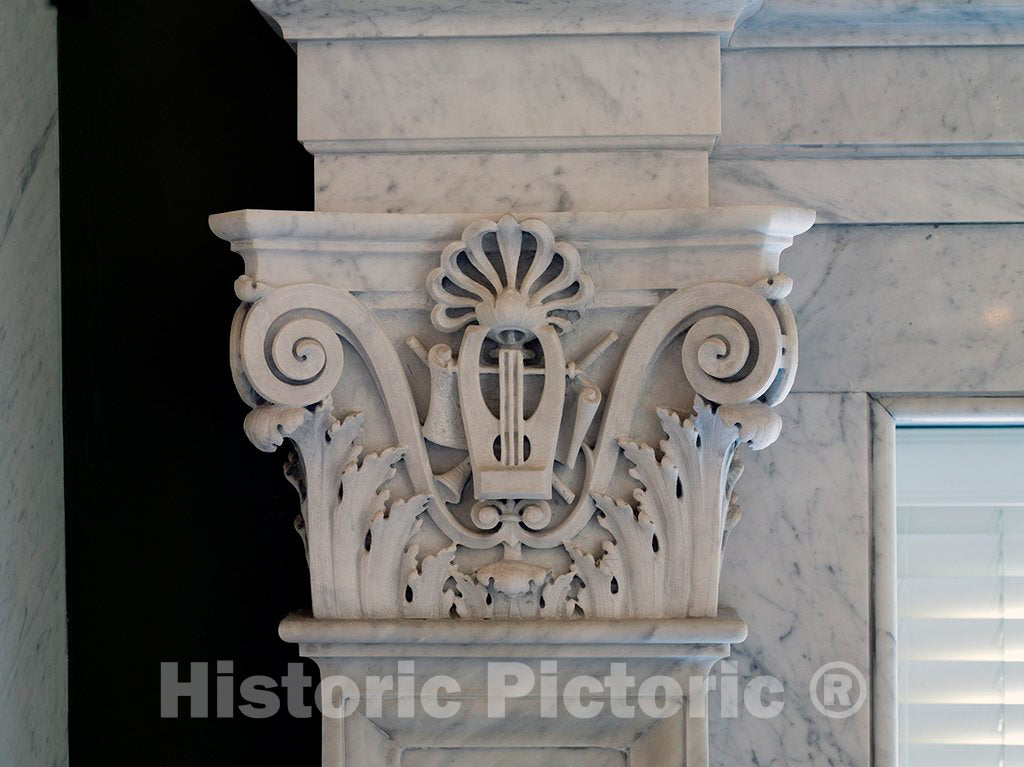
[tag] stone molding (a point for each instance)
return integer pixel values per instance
(362, 19)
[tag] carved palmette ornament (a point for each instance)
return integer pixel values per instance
(519, 413)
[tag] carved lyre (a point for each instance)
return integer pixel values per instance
(520, 289)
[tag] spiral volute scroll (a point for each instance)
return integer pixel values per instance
(734, 349)
(780, 388)
(287, 351)
(290, 355)
(738, 355)
(719, 345)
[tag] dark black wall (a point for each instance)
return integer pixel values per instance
(180, 538)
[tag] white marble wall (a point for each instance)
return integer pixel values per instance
(855, 100)
(869, 135)
(909, 308)
(33, 645)
(873, 23)
(905, 190)
(797, 570)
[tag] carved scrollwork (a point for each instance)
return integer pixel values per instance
(532, 514)
(267, 427)
(316, 317)
(733, 355)
(510, 413)
(291, 355)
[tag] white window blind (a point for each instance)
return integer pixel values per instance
(960, 523)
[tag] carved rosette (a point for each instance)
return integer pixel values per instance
(522, 416)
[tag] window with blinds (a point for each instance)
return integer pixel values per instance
(960, 566)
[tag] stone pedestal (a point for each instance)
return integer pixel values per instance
(514, 355)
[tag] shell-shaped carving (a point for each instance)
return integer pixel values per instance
(510, 278)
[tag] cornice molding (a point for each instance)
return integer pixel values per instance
(860, 23)
(367, 19)
(740, 23)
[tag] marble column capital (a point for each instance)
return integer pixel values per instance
(548, 407)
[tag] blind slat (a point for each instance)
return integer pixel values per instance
(961, 597)
(951, 723)
(961, 519)
(961, 755)
(962, 639)
(973, 554)
(963, 682)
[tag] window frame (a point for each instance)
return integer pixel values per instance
(887, 412)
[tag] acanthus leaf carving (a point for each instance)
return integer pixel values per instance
(426, 593)
(357, 540)
(558, 598)
(472, 600)
(669, 549)
(636, 541)
(387, 557)
(600, 594)
(323, 447)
